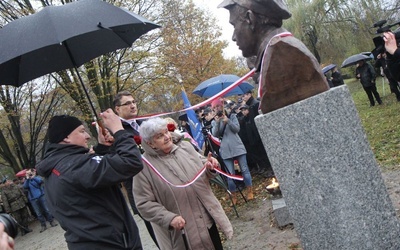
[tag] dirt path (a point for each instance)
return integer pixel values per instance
(254, 229)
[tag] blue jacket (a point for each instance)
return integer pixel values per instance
(34, 187)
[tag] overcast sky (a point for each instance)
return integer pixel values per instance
(222, 15)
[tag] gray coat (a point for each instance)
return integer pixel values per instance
(231, 144)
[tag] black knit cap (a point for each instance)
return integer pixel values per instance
(60, 126)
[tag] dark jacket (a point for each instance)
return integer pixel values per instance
(84, 196)
(393, 63)
(337, 79)
(367, 75)
(253, 107)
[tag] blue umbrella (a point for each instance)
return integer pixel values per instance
(216, 84)
(327, 68)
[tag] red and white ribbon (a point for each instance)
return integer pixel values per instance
(203, 103)
(214, 139)
(197, 176)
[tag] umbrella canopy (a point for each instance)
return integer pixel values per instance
(216, 84)
(21, 173)
(352, 60)
(327, 68)
(63, 37)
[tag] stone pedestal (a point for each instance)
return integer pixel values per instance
(328, 175)
(281, 212)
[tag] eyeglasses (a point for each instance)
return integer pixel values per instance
(128, 103)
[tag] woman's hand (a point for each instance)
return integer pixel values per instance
(390, 42)
(178, 223)
(211, 162)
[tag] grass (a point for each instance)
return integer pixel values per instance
(381, 123)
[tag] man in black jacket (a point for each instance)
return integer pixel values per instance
(83, 189)
(366, 73)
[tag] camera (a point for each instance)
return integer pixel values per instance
(378, 41)
(10, 224)
(220, 113)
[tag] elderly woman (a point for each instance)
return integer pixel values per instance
(183, 217)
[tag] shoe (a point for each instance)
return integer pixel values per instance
(250, 195)
(53, 224)
(43, 228)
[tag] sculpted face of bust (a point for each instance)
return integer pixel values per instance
(243, 33)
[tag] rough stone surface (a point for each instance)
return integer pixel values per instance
(328, 174)
(281, 212)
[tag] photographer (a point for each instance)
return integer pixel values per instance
(393, 54)
(33, 186)
(226, 126)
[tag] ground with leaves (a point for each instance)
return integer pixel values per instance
(255, 227)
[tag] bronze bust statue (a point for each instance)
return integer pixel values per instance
(289, 72)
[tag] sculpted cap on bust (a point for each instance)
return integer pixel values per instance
(269, 8)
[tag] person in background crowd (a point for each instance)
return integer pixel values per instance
(252, 142)
(173, 127)
(226, 126)
(257, 152)
(83, 190)
(393, 54)
(33, 186)
(209, 145)
(182, 217)
(125, 106)
(328, 79)
(336, 77)
(185, 126)
(32, 213)
(366, 73)
(14, 201)
(382, 63)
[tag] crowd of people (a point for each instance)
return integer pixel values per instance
(24, 199)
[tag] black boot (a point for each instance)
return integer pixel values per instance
(43, 228)
(53, 224)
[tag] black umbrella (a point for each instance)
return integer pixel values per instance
(354, 59)
(328, 67)
(64, 37)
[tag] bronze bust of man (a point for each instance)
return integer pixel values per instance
(289, 72)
